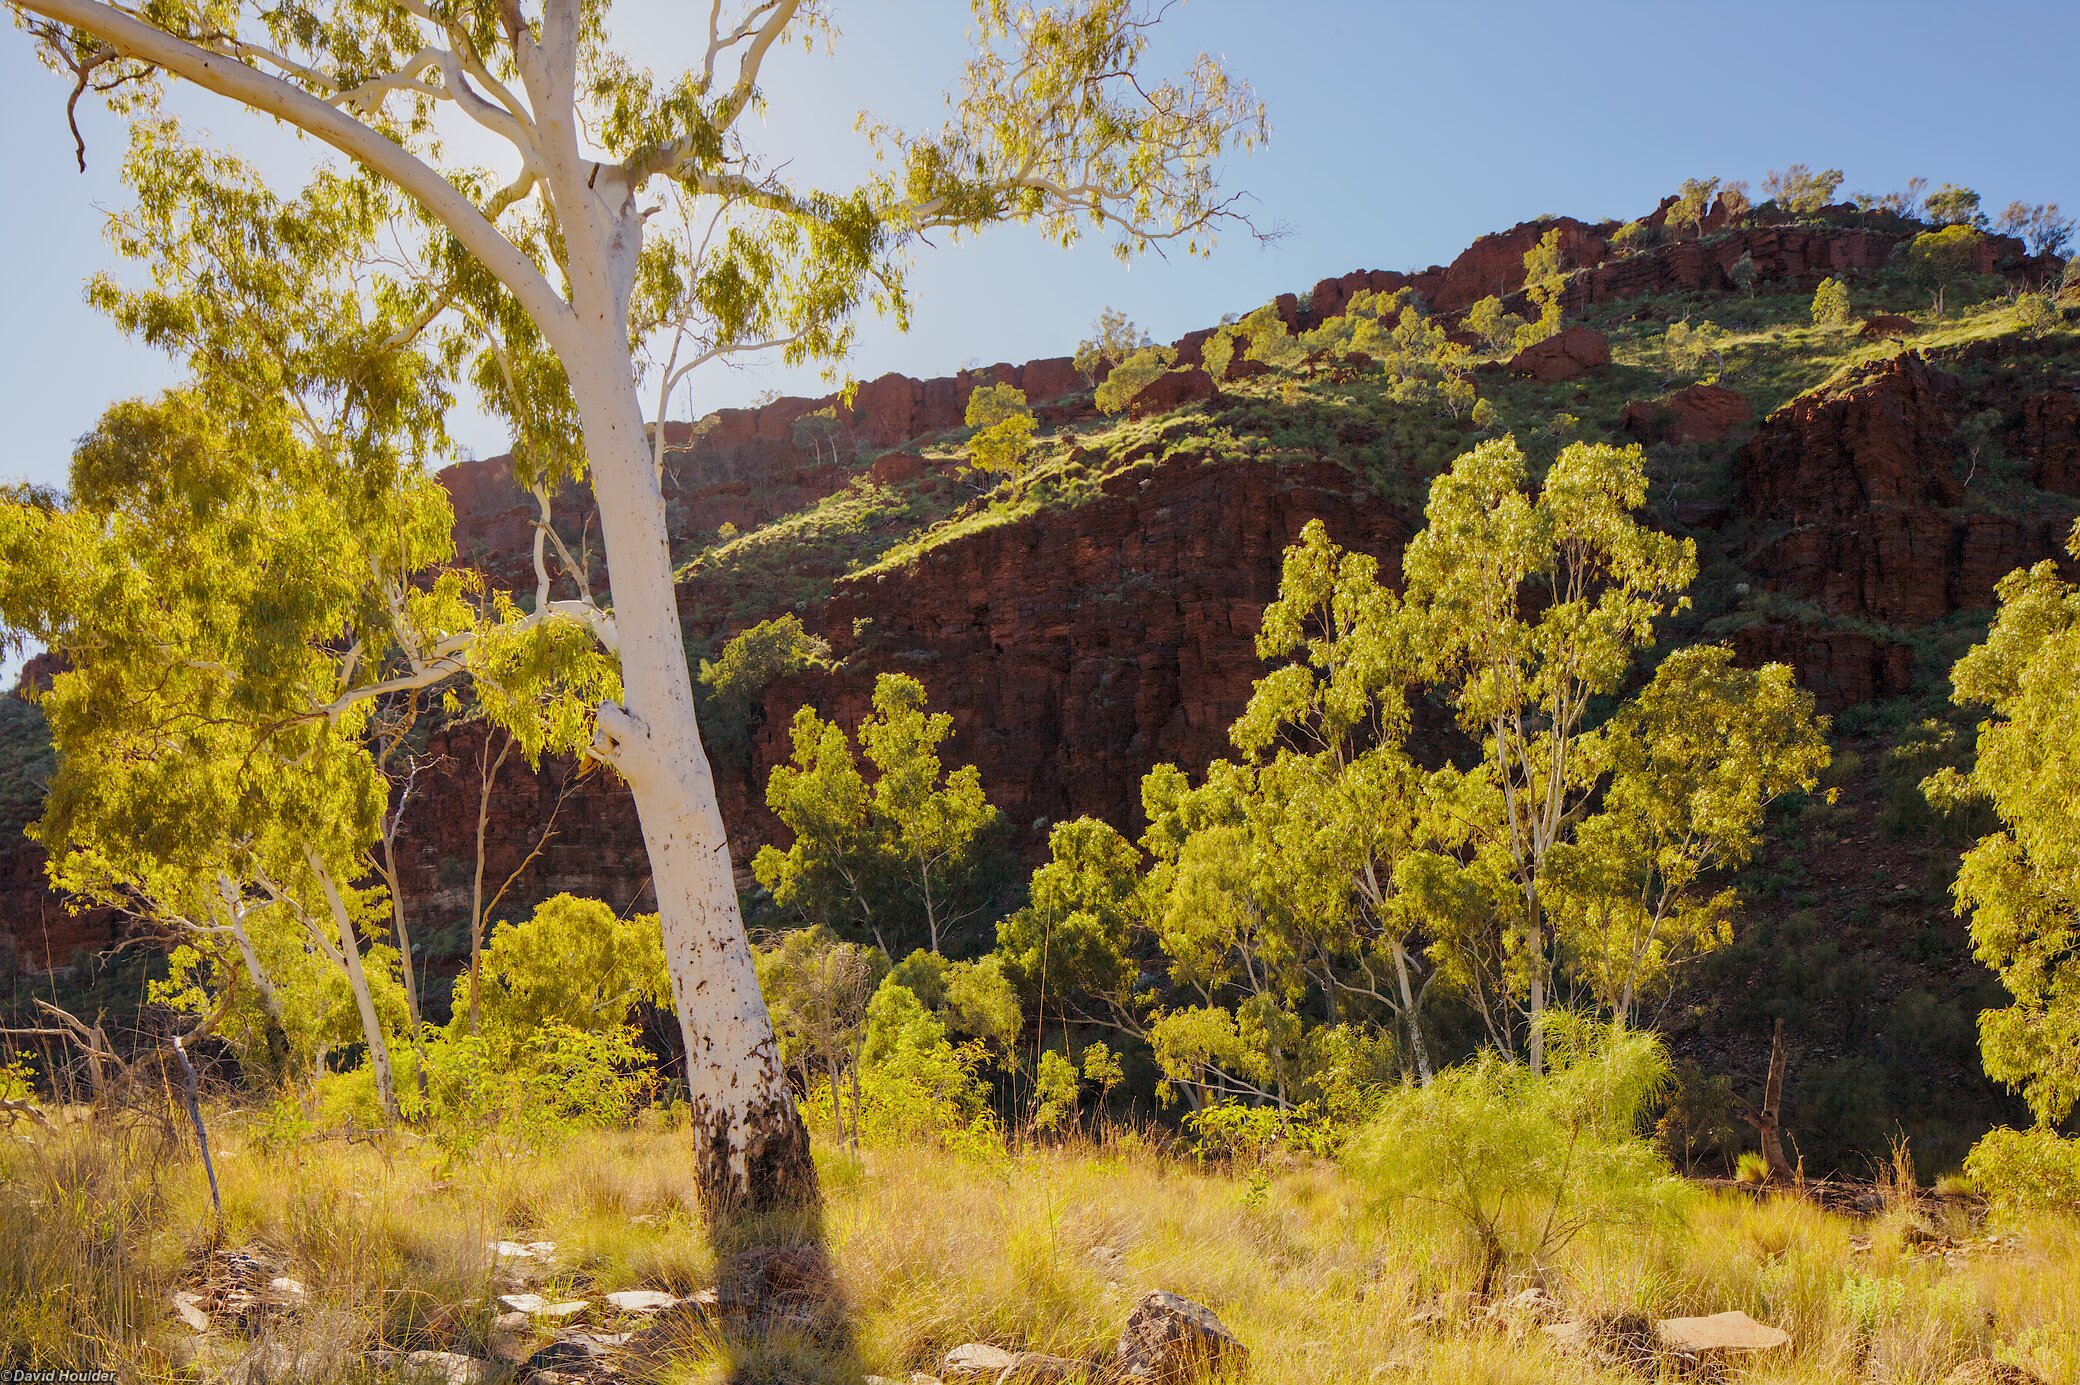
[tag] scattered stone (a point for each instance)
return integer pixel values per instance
(1038, 1368)
(1619, 1339)
(1993, 1373)
(512, 1338)
(1108, 1262)
(975, 1361)
(640, 1300)
(1720, 1332)
(1535, 1302)
(188, 1307)
(576, 1351)
(1168, 1338)
(524, 1250)
(535, 1306)
(1859, 1245)
(283, 1290)
(450, 1367)
(1568, 356)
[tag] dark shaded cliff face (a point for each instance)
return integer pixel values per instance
(1855, 530)
(1076, 655)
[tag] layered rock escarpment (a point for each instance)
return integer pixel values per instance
(1899, 497)
(1074, 655)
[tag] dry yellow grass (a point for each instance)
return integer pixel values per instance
(1046, 1249)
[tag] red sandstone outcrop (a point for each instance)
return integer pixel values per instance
(1840, 667)
(1075, 655)
(1569, 355)
(37, 672)
(1695, 413)
(1862, 490)
(1492, 265)
(742, 466)
(2049, 436)
(1172, 390)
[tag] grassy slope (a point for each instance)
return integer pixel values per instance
(1045, 1249)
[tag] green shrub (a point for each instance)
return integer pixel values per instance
(751, 662)
(1831, 306)
(1521, 1162)
(2035, 1168)
(915, 1084)
(574, 963)
(1133, 375)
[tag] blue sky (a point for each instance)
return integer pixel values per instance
(1400, 132)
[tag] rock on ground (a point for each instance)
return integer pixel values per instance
(1720, 1332)
(1168, 1338)
(979, 1363)
(640, 1300)
(449, 1368)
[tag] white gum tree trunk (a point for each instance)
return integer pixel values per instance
(750, 1147)
(357, 982)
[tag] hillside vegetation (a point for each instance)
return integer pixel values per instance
(1458, 830)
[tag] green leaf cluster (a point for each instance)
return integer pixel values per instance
(903, 860)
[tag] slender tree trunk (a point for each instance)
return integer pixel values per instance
(357, 981)
(277, 1036)
(487, 778)
(1535, 944)
(1415, 1020)
(404, 951)
(750, 1147)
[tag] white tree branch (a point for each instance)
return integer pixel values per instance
(275, 96)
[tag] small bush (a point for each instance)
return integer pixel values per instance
(2035, 1168)
(1523, 1162)
(1831, 306)
(1133, 375)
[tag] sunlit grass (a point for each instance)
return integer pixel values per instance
(1046, 1249)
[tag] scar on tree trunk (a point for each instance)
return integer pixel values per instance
(777, 1170)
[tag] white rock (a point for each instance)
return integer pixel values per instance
(1734, 1331)
(975, 1361)
(512, 1338)
(523, 1250)
(640, 1300)
(450, 1367)
(535, 1306)
(284, 1290)
(189, 1309)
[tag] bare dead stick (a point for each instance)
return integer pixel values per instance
(195, 1114)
